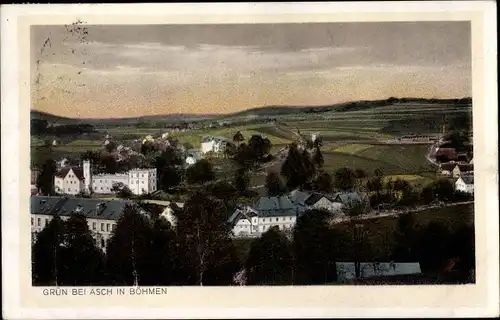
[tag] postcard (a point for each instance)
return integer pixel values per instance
(250, 160)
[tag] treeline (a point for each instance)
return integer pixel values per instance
(200, 251)
(430, 124)
(42, 127)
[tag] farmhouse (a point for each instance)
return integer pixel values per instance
(465, 184)
(102, 216)
(213, 144)
(169, 212)
(353, 200)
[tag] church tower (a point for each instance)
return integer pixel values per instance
(87, 175)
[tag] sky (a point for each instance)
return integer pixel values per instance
(128, 71)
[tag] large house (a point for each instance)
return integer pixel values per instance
(76, 180)
(102, 216)
(213, 144)
(266, 213)
(465, 184)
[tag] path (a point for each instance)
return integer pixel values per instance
(389, 213)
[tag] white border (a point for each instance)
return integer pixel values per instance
(12, 162)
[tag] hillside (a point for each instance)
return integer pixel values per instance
(266, 111)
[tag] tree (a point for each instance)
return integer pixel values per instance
(108, 163)
(297, 168)
(121, 190)
(45, 179)
(148, 147)
(204, 238)
(46, 253)
(314, 248)
(444, 190)
(238, 138)
(110, 147)
(462, 246)
(360, 174)
(406, 238)
(241, 180)
(433, 241)
(258, 148)
(129, 256)
(83, 260)
(378, 173)
(200, 172)
(317, 158)
(345, 179)
(274, 185)
(168, 167)
(323, 183)
(270, 260)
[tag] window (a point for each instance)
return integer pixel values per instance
(142, 175)
(94, 224)
(102, 226)
(101, 188)
(283, 218)
(113, 227)
(32, 221)
(277, 219)
(142, 181)
(107, 227)
(38, 222)
(46, 221)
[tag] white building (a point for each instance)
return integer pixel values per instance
(266, 213)
(213, 144)
(69, 180)
(102, 216)
(465, 184)
(192, 156)
(72, 180)
(169, 212)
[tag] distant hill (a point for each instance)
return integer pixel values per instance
(343, 107)
(259, 111)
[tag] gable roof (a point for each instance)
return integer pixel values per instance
(315, 197)
(90, 208)
(346, 270)
(298, 196)
(242, 213)
(216, 139)
(63, 172)
(275, 206)
(348, 197)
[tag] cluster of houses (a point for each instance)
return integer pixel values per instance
(457, 166)
(283, 211)
(73, 180)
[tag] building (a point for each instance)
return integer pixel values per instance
(346, 271)
(267, 212)
(102, 216)
(462, 169)
(75, 180)
(446, 169)
(322, 202)
(169, 212)
(213, 144)
(352, 200)
(192, 156)
(465, 184)
(69, 180)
